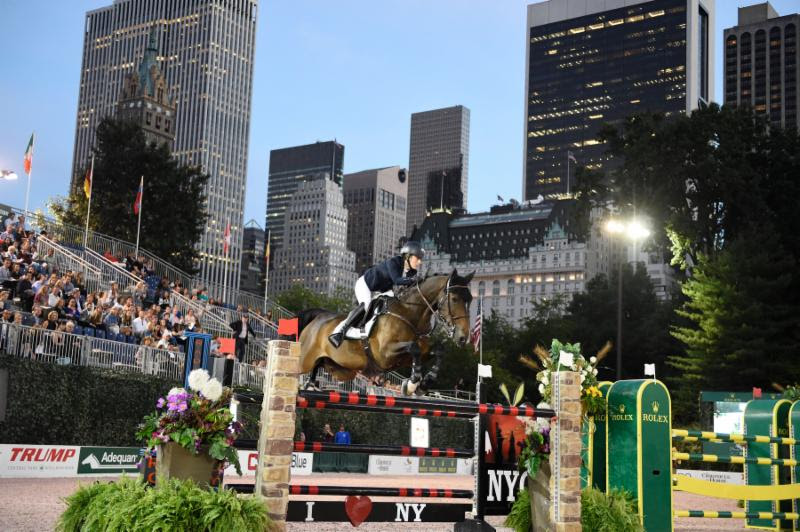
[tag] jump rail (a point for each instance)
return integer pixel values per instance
(697, 435)
(395, 450)
(380, 492)
(699, 457)
(735, 515)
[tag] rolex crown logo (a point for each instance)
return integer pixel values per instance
(621, 409)
(655, 407)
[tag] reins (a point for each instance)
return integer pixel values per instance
(435, 309)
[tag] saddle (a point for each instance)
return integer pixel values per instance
(377, 307)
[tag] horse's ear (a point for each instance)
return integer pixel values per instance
(469, 276)
(454, 273)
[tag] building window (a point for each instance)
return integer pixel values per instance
(495, 288)
(148, 118)
(481, 288)
(510, 287)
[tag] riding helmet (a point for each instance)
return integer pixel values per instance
(413, 248)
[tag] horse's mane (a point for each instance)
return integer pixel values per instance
(404, 292)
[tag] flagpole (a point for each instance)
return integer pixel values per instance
(225, 278)
(266, 277)
(28, 191)
(139, 224)
(89, 207)
(480, 357)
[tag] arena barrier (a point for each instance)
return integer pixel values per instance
(639, 428)
(281, 397)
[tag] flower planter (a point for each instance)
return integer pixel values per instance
(176, 462)
(539, 491)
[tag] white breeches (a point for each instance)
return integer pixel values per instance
(363, 293)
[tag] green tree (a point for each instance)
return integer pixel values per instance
(299, 297)
(173, 210)
(742, 328)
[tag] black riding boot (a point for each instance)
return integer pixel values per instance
(354, 317)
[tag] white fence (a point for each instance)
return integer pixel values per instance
(57, 347)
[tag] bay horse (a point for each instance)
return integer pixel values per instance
(400, 337)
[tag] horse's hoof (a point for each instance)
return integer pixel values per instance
(409, 387)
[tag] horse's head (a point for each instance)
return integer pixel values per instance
(453, 306)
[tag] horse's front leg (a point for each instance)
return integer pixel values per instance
(410, 385)
(433, 373)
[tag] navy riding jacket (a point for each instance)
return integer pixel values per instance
(384, 276)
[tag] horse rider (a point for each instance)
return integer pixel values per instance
(400, 270)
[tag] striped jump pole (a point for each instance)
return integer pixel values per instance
(380, 492)
(699, 457)
(394, 450)
(356, 400)
(698, 435)
(405, 411)
(736, 515)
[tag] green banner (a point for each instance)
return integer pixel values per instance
(429, 464)
(108, 460)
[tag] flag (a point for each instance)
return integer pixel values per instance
(226, 242)
(137, 203)
(571, 157)
(475, 333)
(28, 161)
(87, 181)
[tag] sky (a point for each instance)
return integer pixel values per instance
(353, 70)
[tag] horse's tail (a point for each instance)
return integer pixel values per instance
(307, 316)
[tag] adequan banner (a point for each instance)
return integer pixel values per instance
(103, 461)
(38, 461)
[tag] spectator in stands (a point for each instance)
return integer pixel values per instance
(343, 436)
(25, 291)
(60, 308)
(140, 293)
(5, 304)
(327, 434)
(72, 311)
(5, 270)
(10, 222)
(112, 320)
(242, 331)
(42, 296)
(96, 318)
(37, 314)
(51, 323)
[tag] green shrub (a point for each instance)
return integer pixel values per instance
(615, 512)
(50, 404)
(174, 505)
(519, 518)
(612, 512)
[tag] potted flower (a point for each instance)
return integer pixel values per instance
(192, 431)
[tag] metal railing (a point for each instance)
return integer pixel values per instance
(59, 347)
(64, 259)
(100, 243)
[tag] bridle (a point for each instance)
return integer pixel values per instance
(448, 323)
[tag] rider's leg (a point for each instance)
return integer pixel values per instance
(363, 296)
(355, 316)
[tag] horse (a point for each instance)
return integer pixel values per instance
(401, 335)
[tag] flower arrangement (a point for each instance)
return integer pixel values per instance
(568, 357)
(195, 420)
(537, 443)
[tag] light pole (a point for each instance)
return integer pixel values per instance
(633, 230)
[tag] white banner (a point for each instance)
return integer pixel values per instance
(419, 432)
(38, 461)
(393, 465)
(248, 460)
(726, 477)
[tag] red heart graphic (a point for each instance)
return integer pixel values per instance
(357, 509)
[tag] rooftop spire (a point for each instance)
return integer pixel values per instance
(146, 81)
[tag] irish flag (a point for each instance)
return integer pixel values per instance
(29, 156)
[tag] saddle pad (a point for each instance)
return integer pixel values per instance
(353, 333)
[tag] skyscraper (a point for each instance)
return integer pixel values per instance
(761, 63)
(376, 213)
(591, 62)
(314, 251)
(439, 142)
(205, 50)
(288, 168)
